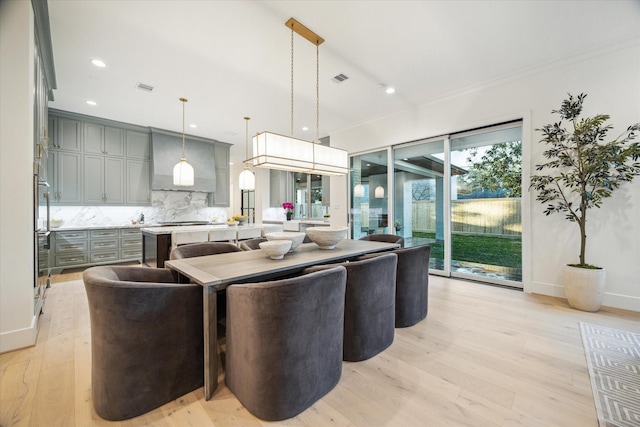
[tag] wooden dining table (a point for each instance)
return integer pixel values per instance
(216, 272)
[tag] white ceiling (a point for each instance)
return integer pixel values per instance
(232, 58)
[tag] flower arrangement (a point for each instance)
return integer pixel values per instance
(288, 207)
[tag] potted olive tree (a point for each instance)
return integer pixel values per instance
(582, 171)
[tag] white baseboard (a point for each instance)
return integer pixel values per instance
(20, 338)
(625, 302)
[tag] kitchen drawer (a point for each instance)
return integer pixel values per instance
(99, 234)
(71, 259)
(71, 246)
(68, 235)
(131, 253)
(131, 242)
(97, 257)
(127, 232)
(103, 244)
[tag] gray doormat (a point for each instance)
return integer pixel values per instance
(613, 358)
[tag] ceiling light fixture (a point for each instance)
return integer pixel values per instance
(247, 180)
(379, 192)
(288, 153)
(192, 125)
(92, 102)
(183, 171)
(98, 63)
(390, 90)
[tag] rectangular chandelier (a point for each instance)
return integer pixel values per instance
(274, 151)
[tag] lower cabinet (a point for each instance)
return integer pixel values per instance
(83, 248)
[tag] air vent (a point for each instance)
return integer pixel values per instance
(340, 78)
(145, 87)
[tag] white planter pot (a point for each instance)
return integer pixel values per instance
(584, 287)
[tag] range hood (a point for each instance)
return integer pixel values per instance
(166, 151)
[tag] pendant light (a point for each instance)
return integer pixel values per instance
(358, 190)
(275, 151)
(183, 171)
(247, 180)
(379, 193)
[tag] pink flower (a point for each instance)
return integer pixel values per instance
(287, 206)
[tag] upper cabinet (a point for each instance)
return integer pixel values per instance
(98, 162)
(221, 196)
(106, 140)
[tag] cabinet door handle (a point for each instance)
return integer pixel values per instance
(103, 244)
(104, 256)
(104, 233)
(70, 246)
(72, 259)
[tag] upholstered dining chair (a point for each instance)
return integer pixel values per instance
(412, 284)
(202, 249)
(252, 244)
(388, 238)
(369, 313)
(146, 339)
(284, 342)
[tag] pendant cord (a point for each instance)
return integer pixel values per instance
(246, 140)
(183, 102)
(292, 80)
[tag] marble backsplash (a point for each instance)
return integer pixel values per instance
(166, 206)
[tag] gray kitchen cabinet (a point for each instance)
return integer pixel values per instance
(107, 140)
(138, 188)
(280, 187)
(69, 135)
(103, 180)
(138, 146)
(221, 158)
(64, 170)
(84, 248)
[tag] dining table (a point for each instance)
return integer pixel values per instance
(216, 272)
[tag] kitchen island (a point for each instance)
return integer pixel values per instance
(156, 241)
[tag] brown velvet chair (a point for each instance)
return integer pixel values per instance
(252, 244)
(284, 342)
(412, 284)
(146, 339)
(388, 238)
(369, 313)
(202, 249)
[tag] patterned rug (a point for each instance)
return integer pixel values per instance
(613, 358)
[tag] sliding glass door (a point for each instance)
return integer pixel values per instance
(486, 189)
(419, 203)
(460, 194)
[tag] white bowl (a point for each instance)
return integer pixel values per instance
(276, 248)
(327, 237)
(296, 238)
(55, 223)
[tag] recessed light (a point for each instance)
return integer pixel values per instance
(390, 90)
(304, 128)
(98, 63)
(230, 163)
(92, 102)
(193, 125)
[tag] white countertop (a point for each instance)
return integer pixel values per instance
(100, 227)
(170, 229)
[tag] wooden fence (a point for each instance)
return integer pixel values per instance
(474, 216)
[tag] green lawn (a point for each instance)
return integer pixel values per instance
(491, 250)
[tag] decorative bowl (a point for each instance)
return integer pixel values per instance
(296, 238)
(55, 223)
(276, 248)
(327, 237)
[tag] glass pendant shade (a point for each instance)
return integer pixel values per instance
(379, 193)
(247, 180)
(358, 190)
(183, 173)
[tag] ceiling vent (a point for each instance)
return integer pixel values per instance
(144, 87)
(340, 78)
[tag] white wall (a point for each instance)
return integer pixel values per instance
(17, 322)
(611, 79)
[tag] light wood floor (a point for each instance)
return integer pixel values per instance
(485, 356)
